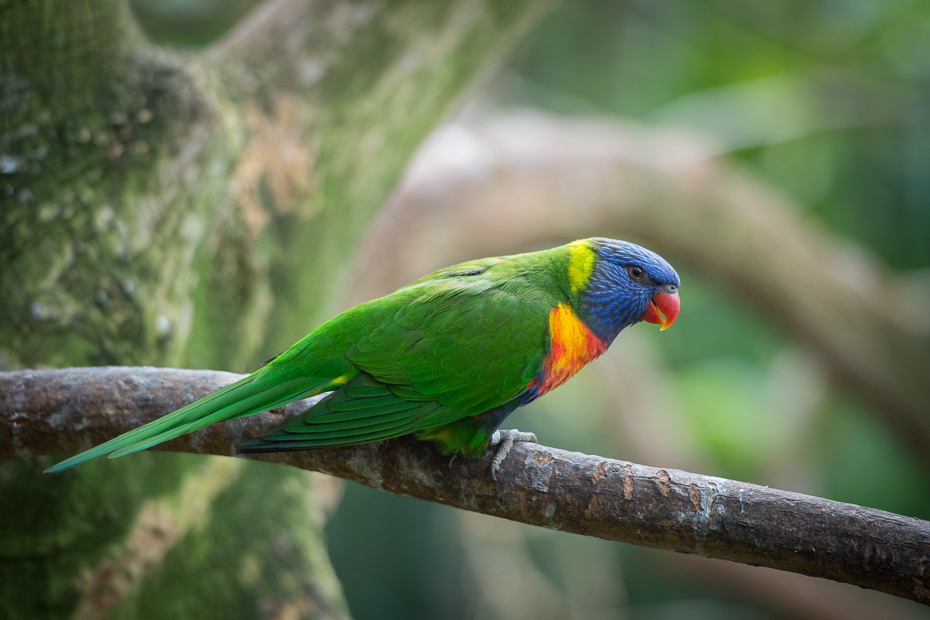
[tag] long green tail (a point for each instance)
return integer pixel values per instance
(234, 401)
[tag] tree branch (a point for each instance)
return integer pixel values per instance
(62, 411)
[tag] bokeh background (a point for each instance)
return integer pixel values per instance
(824, 105)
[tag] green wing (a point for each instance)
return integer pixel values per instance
(470, 344)
(460, 343)
(361, 411)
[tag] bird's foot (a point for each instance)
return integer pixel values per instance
(506, 439)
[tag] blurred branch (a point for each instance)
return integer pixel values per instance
(525, 180)
(788, 595)
(61, 411)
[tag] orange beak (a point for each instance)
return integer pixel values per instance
(663, 310)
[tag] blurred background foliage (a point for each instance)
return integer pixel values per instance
(829, 102)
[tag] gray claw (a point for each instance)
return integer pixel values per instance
(506, 439)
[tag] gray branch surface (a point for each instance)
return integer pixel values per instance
(63, 411)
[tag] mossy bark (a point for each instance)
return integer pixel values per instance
(200, 210)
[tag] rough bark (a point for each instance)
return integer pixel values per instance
(525, 180)
(47, 412)
(196, 209)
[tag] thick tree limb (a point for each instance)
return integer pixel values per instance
(61, 411)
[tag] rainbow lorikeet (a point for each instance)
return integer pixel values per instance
(447, 357)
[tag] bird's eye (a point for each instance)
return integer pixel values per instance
(636, 272)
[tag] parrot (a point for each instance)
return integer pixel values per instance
(446, 358)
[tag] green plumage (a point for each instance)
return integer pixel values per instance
(460, 342)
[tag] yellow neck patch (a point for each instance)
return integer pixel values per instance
(580, 265)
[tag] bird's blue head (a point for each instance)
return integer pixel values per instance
(628, 284)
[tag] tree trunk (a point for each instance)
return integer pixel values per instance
(197, 210)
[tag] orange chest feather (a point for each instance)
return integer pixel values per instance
(573, 346)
